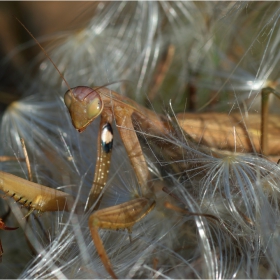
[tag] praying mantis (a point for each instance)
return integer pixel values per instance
(85, 104)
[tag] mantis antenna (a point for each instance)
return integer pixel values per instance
(46, 54)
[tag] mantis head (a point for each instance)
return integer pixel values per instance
(84, 105)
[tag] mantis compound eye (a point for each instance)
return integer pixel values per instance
(94, 108)
(68, 99)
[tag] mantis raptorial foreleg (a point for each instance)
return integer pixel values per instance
(33, 195)
(104, 151)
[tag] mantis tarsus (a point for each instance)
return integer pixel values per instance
(85, 104)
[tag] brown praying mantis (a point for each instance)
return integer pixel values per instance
(85, 104)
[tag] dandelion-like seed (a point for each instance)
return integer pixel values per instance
(214, 212)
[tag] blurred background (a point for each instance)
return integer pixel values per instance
(43, 19)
